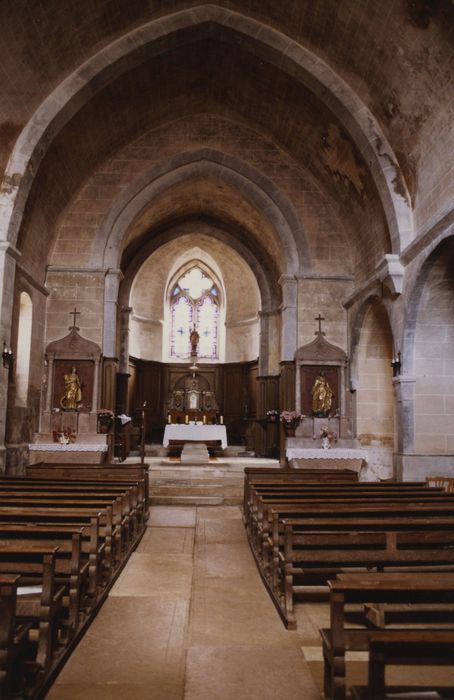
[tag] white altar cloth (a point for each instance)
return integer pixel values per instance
(195, 433)
(320, 453)
(70, 447)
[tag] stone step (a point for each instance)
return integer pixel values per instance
(195, 501)
(194, 490)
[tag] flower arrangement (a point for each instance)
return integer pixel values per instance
(291, 417)
(105, 420)
(64, 437)
(327, 436)
(272, 415)
(105, 413)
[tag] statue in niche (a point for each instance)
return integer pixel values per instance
(194, 339)
(322, 397)
(73, 393)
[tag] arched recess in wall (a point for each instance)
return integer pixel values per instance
(154, 281)
(375, 395)
(24, 342)
(429, 344)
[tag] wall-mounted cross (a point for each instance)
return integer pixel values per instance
(319, 318)
(74, 313)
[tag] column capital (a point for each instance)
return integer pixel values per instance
(285, 279)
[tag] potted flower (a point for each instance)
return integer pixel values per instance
(272, 415)
(105, 419)
(290, 421)
(328, 436)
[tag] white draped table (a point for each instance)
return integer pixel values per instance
(192, 432)
(334, 458)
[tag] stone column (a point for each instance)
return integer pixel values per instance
(95, 401)
(8, 257)
(289, 286)
(123, 365)
(286, 399)
(50, 382)
(404, 395)
(264, 343)
(111, 287)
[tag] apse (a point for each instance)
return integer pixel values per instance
(195, 281)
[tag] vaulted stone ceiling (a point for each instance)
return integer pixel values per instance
(397, 57)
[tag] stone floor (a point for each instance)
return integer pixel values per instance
(190, 618)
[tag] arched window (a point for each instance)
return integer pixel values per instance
(194, 302)
(24, 341)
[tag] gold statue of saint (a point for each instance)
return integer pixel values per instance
(73, 392)
(322, 397)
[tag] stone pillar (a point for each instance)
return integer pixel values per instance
(264, 343)
(50, 382)
(125, 314)
(95, 400)
(8, 257)
(109, 383)
(111, 286)
(286, 398)
(404, 395)
(289, 286)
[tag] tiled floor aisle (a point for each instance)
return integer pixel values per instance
(188, 618)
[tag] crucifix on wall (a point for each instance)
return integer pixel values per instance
(74, 313)
(319, 318)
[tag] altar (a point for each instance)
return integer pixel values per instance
(333, 458)
(195, 432)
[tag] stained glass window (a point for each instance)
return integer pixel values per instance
(207, 313)
(194, 302)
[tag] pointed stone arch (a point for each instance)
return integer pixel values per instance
(256, 188)
(146, 41)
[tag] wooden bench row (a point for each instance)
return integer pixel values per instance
(303, 533)
(64, 537)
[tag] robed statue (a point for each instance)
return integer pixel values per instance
(322, 397)
(73, 393)
(194, 340)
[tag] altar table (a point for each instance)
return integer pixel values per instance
(192, 432)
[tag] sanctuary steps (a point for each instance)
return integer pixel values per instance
(218, 483)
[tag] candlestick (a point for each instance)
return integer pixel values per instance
(204, 420)
(186, 419)
(169, 418)
(222, 420)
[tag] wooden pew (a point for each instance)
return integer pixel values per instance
(264, 508)
(71, 565)
(324, 553)
(403, 648)
(379, 589)
(90, 524)
(132, 473)
(261, 501)
(101, 528)
(255, 475)
(13, 636)
(116, 527)
(36, 566)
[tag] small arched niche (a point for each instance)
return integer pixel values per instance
(24, 341)
(434, 356)
(375, 395)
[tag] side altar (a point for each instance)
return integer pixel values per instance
(70, 429)
(324, 437)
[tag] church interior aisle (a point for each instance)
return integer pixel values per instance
(189, 618)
